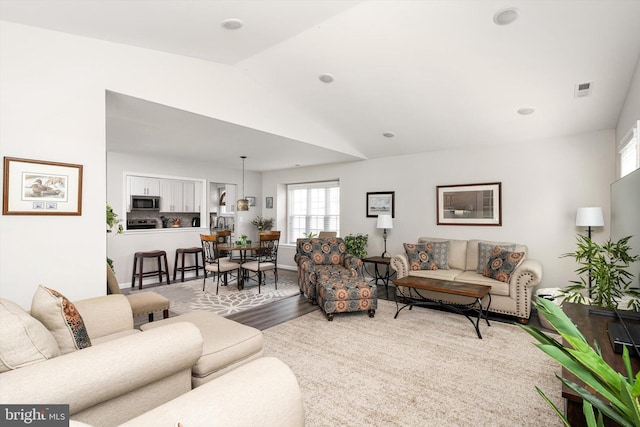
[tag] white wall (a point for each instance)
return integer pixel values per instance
(52, 100)
(630, 113)
(543, 183)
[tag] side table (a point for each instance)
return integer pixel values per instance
(378, 275)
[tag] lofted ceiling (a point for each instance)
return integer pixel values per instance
(437, 74)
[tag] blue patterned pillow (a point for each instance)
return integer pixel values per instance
(418, 257)
(439, 253)
(501, 264)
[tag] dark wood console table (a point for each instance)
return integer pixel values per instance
(593, 327)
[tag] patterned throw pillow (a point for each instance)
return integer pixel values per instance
(61, 318)
(418, 256)
(501, 264)
(485, 251)
(439, 253)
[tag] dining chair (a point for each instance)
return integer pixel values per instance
(325, 234)
(266, 257)
(224, 238)
(215, 261)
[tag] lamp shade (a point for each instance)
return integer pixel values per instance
(385, 221)
(589, 217)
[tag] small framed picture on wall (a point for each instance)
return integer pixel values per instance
(269, 202)
(381, 203)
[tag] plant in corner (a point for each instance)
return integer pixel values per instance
(607, 266)
(356, 244)
(617, 395)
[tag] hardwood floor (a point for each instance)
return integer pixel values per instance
(268, 315)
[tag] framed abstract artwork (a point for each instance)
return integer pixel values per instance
(37, 187)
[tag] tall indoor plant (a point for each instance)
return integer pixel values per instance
(617, 395)
(607, 267)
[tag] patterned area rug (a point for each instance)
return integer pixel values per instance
(188, 296)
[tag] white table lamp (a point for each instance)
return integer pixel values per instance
(385, 222)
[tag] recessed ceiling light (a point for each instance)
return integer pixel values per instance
(326, 78)
(388, 134)
(232, 24)
(506, 16)
(526, 111)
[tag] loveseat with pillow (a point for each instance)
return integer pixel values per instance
(502, 265)
(88, 355)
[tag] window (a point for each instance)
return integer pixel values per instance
(312, 208)
(629, 152)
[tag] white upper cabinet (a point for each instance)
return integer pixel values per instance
(197, 197)
(144, 186)
(188, 196)
(176, 195)
(171, 199)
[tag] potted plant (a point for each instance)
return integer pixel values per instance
(112, 221)
(262, 223)
(606, 265)
(356, 244)
(617, 396)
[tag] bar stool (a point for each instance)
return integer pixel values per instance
(180, 253)
(159, 255)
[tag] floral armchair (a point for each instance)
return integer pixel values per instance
(321, 260)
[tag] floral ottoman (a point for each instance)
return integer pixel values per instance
(339, 294)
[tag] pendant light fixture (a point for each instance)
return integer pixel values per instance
(242, 204)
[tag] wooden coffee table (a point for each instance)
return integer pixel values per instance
(463, 298)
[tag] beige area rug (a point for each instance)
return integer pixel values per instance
(188, 296)
(425, 368)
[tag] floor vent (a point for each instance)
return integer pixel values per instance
(583, 89)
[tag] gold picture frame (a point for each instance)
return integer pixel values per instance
(38, 187)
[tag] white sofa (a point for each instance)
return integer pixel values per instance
(133, 377)
(512, 298)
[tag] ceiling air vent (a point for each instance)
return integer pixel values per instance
(583, 89)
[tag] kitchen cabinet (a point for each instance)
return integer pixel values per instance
(171, 195)
(230, 190)
(180, 196)
(197, 197)
(188, 196)
(144, 186)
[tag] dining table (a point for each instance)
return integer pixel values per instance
(243, 249)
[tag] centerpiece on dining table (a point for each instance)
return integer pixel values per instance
(243, 241)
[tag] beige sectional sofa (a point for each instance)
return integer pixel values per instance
(133, 377)
(512, 298)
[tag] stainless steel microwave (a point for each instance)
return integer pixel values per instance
(145, 203)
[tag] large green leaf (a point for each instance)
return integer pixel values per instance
(599, 404)
(555, 408)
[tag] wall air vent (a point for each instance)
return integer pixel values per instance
(583, 89)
